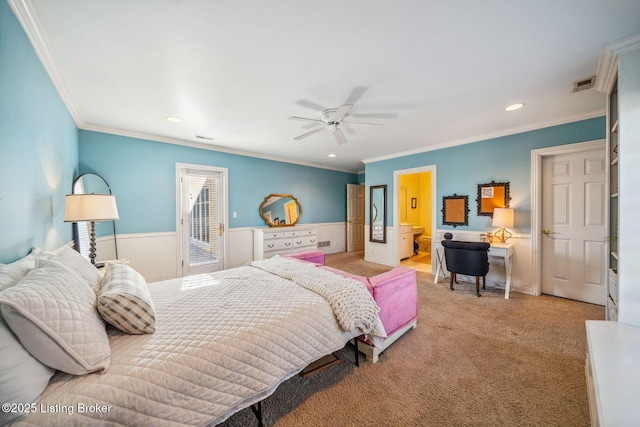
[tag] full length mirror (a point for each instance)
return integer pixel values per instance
(378, 214)
(279, 210)
(91, 183)
(492, 195)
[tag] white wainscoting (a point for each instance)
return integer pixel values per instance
(151, 254)
(154, 254)
(385, 253)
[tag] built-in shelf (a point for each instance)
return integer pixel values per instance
(614, 128)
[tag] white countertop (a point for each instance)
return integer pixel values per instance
(614, 351)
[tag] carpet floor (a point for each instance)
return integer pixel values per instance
(470, 362)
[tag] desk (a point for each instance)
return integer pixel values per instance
(496, 250)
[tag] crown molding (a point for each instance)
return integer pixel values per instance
(608, 61)
(204, 146)
(28, 18)
(498, 134)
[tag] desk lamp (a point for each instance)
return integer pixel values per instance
(502, 217)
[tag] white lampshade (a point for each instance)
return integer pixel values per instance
(502, 217)
(90, 207)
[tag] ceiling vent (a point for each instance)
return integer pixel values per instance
(584, 84)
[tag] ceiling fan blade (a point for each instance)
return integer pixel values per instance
(356, 94)
(311, 104)
(341, 111)
(349, 130)
(340, 136)
(362, 123)
(312, 125)
(375, 115)
(304, 135)
(305, 119)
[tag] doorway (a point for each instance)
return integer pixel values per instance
(201, 220)
(355, 217)
(414, 216)
(569, 221)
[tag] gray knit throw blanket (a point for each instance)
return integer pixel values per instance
(350, 299)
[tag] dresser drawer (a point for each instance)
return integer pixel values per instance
(303, 241)
(298, 233)
(278, 244)
(273, 235)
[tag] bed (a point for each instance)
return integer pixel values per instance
(221, 342)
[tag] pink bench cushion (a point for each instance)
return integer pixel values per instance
(397, 296)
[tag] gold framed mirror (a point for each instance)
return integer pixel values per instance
(492, 195)
(455, 210)
(280, 210)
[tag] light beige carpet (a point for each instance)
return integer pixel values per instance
(470, 362)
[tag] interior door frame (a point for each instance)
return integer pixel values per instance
(225, 212)
(396, 209)
(537, 156)
(364, 219)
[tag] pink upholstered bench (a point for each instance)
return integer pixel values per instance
(395, 292)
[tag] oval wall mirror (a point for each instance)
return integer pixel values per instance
(89, 183)
(280, 210)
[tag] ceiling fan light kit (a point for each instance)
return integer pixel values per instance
(332, 119)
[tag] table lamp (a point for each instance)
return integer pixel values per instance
(92, 208)
(502, 217)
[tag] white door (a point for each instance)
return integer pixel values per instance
(355, 217)
(202, 220)
(573, 226)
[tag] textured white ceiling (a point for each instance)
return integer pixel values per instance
(236, 70)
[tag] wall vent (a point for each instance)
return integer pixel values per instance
(324, 244)
(584, 84)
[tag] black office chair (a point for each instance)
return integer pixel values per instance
(470, 258)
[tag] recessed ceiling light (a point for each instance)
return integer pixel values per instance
(333, 155)
(513, 107)
(173, 119)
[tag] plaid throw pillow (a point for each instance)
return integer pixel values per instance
(125, 302)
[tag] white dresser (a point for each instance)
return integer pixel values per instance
(268, 242)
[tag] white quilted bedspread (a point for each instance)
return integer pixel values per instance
(223, 341)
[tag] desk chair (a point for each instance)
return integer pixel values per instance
(469, 258)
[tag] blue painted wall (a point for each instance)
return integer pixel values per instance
(38, 148)
(141, 174)
(507, 159)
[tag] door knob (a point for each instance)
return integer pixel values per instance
(548, 232)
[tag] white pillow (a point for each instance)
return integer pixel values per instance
(125, 302)
(22, 377)
(53, 313)
(72, 259)
(10, 274)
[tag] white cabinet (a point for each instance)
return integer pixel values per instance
(406, 241)
(268, 242)
(613, 373)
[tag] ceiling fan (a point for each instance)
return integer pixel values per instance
(333, 119)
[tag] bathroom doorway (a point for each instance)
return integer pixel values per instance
(415, 207)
